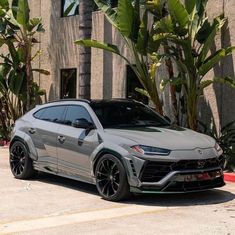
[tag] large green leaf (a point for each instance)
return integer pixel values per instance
(142, 92)
(69, 8)
(204, 32)
(214, 59)
(4, 4)
(34, 22)
(226, 80)
(99, 45)
(136, 22)
(203, 85)
(178, 81)
(164, 25)
(217, 25)
(109, 12)
(16, 81)
(23, 13)
(178, 13)
(190, 5)
(125, 16)
(156, 7)
(14, 54)
(42, 71)
(142, 42)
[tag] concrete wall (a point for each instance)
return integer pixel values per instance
(220, 99)
(109, 71)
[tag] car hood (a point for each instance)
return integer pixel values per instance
(173, 138)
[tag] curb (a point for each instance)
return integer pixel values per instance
(4, 147)
(230, 177)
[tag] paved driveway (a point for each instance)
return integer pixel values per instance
(54, 205)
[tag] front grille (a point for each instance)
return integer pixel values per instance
(155, 171)
(194, 185)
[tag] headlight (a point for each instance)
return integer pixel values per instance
(217, 147)
(148, 150)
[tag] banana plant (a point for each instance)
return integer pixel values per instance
(18, 91)
(17, 32)
(225, 137)
(189, 35)
(137, 36)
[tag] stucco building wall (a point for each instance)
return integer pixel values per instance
(108, 76)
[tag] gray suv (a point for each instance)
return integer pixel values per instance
(120, 145)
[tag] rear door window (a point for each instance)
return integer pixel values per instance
(51, 114)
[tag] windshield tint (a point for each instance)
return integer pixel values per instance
(126, 114)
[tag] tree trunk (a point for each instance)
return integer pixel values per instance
(85, 27)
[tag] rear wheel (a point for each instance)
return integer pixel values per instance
(111, 179)
(20, 162)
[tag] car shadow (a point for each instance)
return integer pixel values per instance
(209, 197)
(65, 182)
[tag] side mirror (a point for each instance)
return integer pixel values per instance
(167, 119)
(83, 124)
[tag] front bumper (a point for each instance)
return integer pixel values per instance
(179, 177)
(185, 181)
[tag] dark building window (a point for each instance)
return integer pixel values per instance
(69, 7)
(132, 82)
(112, 3)
(68, 83)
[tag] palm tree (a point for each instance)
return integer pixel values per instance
(85, 28)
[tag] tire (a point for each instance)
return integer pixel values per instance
(111, 179)
(20, 163)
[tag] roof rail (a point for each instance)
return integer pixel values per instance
(63, 100)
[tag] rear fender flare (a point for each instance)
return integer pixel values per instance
(26, 139)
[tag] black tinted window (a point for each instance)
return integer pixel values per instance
(126, 114)
(76, 112)
(52, 114)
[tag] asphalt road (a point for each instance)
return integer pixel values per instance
(54, 205)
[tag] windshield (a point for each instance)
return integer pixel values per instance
(126, 114)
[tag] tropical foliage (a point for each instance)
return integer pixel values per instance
(189, 35)
(186, 35)
(18, 91)
(225, 137)
(132, 24)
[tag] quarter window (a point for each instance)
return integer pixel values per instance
(76, 112)
(69, 8)
(39, 113)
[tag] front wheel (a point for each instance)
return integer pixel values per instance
(111, 179)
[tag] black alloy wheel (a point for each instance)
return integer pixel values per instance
(20, 162)
(111, 180)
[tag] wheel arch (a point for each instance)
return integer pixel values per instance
(112, 152)
(32, 154)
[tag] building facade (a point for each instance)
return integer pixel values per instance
(110, 76)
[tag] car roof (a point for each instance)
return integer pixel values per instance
(93, 101)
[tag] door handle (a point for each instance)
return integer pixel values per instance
(32, 130)
(61, 139)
